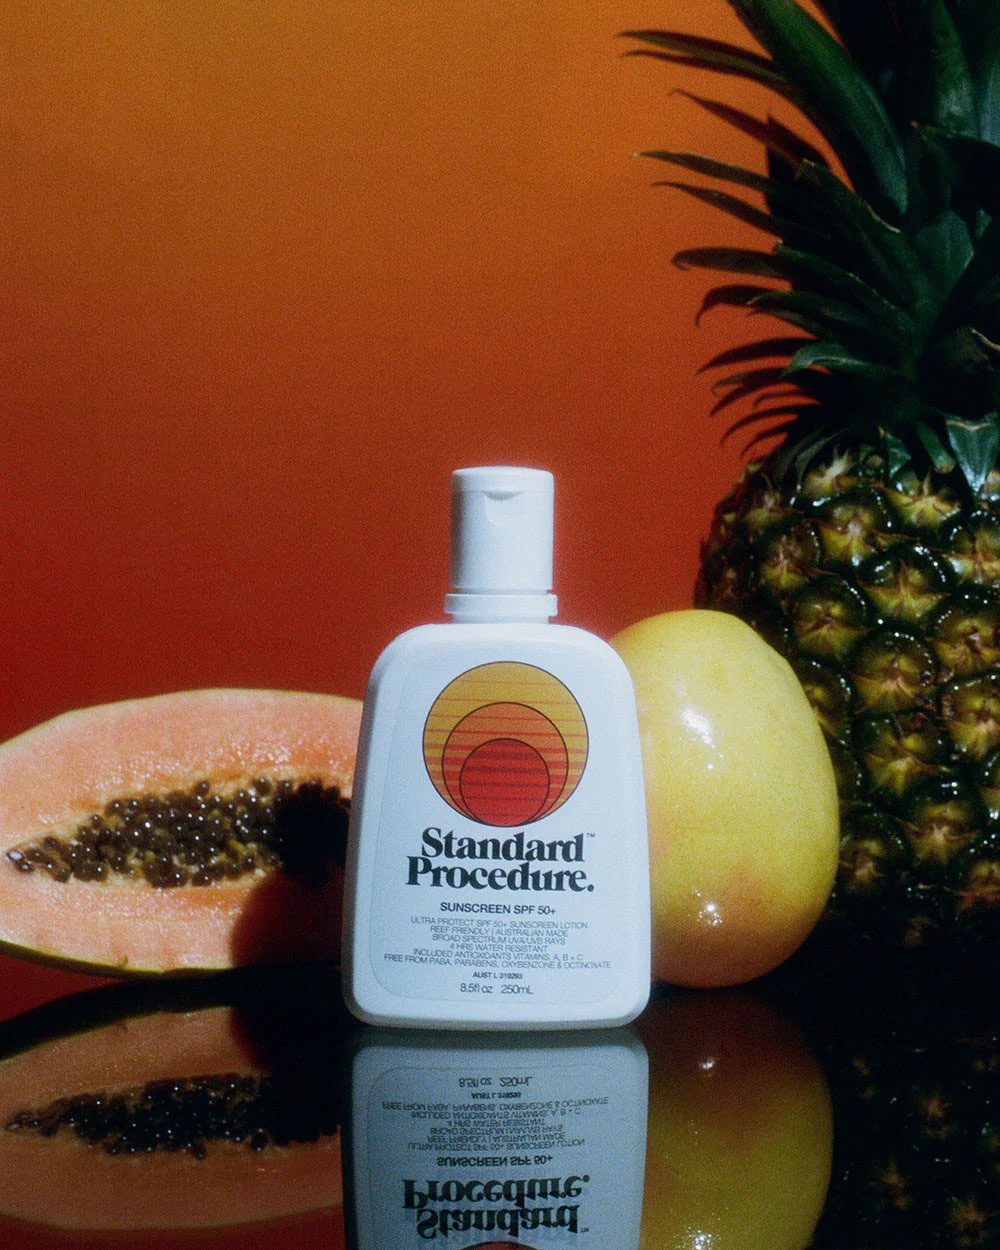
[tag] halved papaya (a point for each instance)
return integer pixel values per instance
(193, 831)
(167, 1114)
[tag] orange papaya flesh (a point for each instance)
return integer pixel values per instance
(167, 1120)
(186, 832)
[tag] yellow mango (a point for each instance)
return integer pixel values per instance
(742, 803)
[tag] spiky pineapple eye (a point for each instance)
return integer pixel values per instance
(764, 505)
(906, 584)
(942, 821)
(966, 634)
(872, 858)
(892, 671)
(900, 751)
(976, 887)
(825, 481)
(990, 490)
(853, 526)
(970, 708)
(788, 556)
(829, 692)
(828, 617)
(924, 509)
(731, 575)
(972, 548)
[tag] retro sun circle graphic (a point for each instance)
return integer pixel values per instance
(505, 744)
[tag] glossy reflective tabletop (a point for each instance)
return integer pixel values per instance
(846, 1103)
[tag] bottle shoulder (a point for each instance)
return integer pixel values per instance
(426, 641)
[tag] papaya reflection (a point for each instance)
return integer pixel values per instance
(185, 1106)
(740, 1127)
(517, 1141)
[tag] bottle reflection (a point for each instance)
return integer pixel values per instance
(511, 1142)
(740, 1127)
(191, 1106)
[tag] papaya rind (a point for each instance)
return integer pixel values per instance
(27, 954)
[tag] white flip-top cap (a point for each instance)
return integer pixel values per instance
(501, 544)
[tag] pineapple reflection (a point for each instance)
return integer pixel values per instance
(740, 1127)
(913, 1052)
(515, 1142)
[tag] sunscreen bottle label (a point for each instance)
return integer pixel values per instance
(499, 862)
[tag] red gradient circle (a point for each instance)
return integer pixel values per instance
(533, 753)
(504, 782)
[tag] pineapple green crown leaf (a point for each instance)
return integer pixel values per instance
(893, 272)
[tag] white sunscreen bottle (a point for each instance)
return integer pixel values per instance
(497, 868)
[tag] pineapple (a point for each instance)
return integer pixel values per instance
(865, 543)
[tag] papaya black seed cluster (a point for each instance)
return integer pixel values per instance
(185, 1115)
(200, 836)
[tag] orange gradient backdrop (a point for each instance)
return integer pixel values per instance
(273, 270)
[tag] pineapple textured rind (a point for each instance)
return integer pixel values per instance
(883, 598)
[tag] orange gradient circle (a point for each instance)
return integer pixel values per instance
(505, 744)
